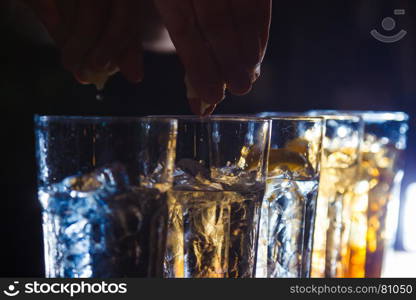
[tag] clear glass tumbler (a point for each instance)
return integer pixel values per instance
(339, 170)
(102, 187)
(214, 205)
(288, 211)
(376, 195)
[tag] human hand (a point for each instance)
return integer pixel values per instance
(95, 36)
(221, 44)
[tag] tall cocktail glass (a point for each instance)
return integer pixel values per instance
(102, 186)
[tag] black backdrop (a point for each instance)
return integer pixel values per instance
(321, 55)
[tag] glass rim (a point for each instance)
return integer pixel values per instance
(280, 113)
(371, 115)
(96, 118)
(289, 116)
(228, 118)
(297, 118)
(346, 117)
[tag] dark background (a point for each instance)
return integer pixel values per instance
(320, 56)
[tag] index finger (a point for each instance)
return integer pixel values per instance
(252, 22)
(91, 17)
(201, 67)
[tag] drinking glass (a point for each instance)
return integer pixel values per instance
(214, 204)
(376, 195)
(102, 187)
(339, 170)
(288, 210)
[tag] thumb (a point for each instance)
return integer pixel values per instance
(198, 105)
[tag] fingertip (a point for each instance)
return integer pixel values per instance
(212, 94)
(240, 88)
(209, 110)
(201, 108)
(256, 73)
(80, 77)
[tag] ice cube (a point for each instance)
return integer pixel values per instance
(76, 219)
(191, 175)
(193, 168)
(96, 225)
(109, 178)
(284, 209)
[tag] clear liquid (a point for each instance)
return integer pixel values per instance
(92, 234)
(212, 234)
(286, 228)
